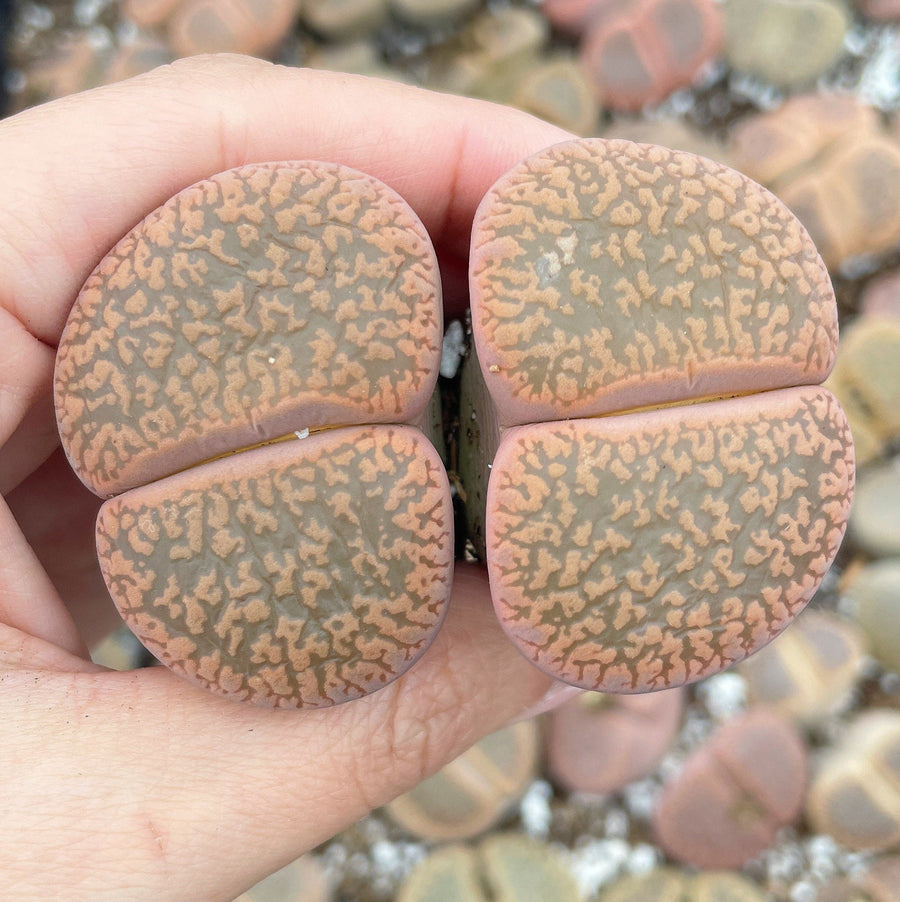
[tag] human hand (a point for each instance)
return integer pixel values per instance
(138, 785)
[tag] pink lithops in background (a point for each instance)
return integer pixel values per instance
(880, 9)
(881, 296)
(734, 793)
(216, 26)
(599, 743)
(651, 548)
(238, 371)
(236, 26)
(834, 164)
(640, 51)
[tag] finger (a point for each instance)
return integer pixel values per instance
(179, 794)
(56, 513)
(28, 600)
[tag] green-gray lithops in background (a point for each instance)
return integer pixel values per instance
(474, 791)
(343, 19)
(855, 794)
(500, 56)
(785, 42)
(671, 885)
(875, 518)
(876, 592)
(810, 671)
(556, 90)
(504, 868)
(303, 880)
(433, 13)
(866, 380)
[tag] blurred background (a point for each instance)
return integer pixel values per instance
(779, 779)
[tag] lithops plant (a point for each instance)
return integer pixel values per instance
(433, 13)
(670, 484)
(880, 9)
(878, 883)
(599, 743)
(343, 19)
(237, 373)
(787, 43)
(303, 880)
(473, 792)
(866, 380)
(875, 591)
(671, 885)
(855, 795)
(881, 296)
(504, 868)
(810, 671)
(237, 26)
(637, 52)
(875, 524)
(830, 160)
(734, 793)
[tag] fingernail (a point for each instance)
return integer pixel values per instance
(558, 694)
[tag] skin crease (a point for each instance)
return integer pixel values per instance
(138, 786)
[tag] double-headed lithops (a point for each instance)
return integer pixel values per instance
(831, 161)
(238, 377)
(671, 885)
(734, 793)
(855, 795)
(866, 380)
(504, 868)
(670, 483)
(639, 51)
(473, 792)
(810, 671)
(599, 743)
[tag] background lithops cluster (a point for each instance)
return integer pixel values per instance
(595, 802)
